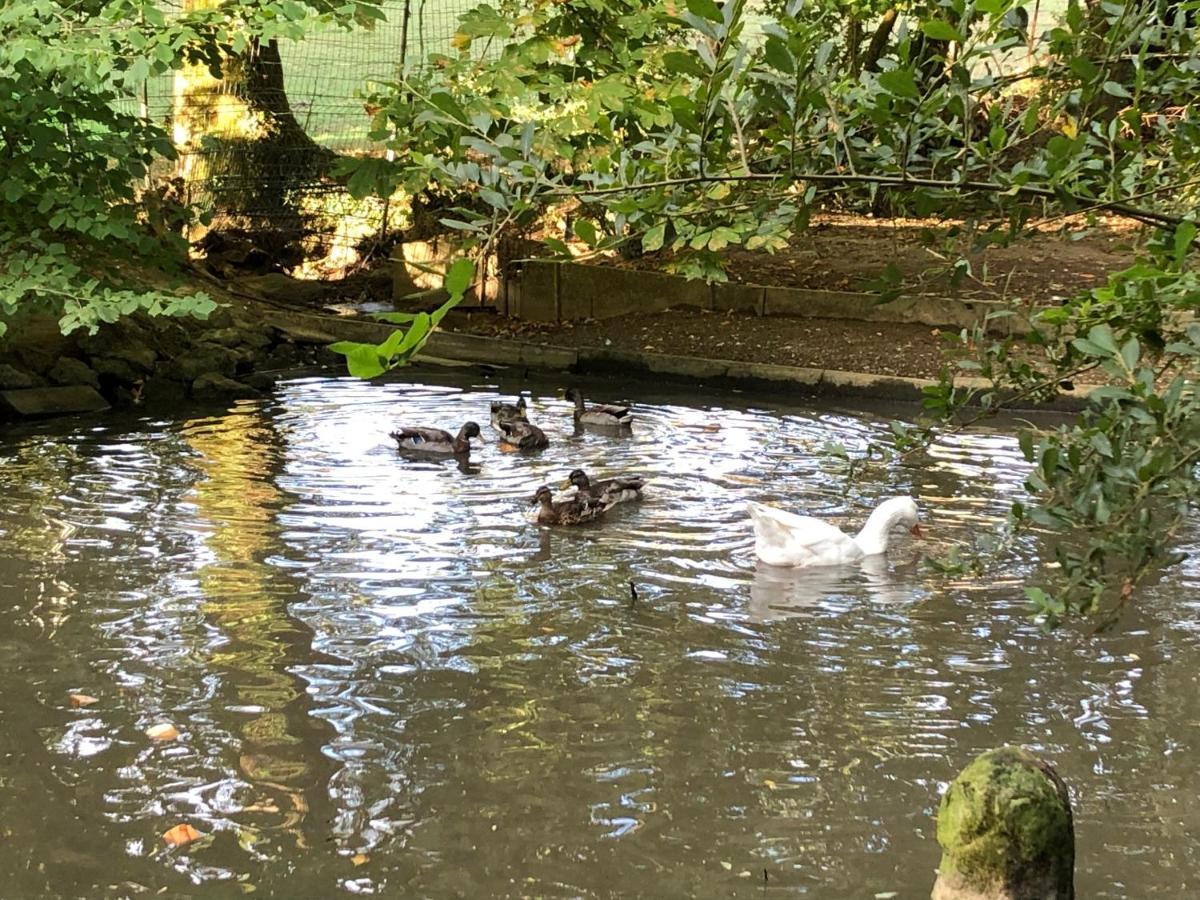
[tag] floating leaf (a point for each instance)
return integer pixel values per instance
(181, 834)
(81, 700)
(360, 859)
(163, 732)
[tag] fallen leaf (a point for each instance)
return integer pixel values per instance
(164, 732)
(81, 700)
(769, 783)
(727, 866)
(359, 859)
(181, 834)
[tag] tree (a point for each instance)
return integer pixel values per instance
(75, 204)
(238, 139)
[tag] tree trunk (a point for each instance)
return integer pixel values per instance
(879, 41)
(242, 151)
(854, 39)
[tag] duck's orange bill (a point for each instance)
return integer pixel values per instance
(916, 531)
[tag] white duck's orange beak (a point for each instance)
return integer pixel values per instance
(916, 531)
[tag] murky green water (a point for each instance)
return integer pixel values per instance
(386, 681)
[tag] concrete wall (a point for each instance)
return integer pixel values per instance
(545, 291)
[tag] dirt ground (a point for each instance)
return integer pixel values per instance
(847, 253)
(883, 348)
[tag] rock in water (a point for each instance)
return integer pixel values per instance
(1006, 831)
(51, 401)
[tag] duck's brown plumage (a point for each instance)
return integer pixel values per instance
(522, 435)
(609, 490)
(508, 412)
(574, 511)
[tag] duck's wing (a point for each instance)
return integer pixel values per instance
(415, 437)
(610, 409)
(786, 539)
(622, 488)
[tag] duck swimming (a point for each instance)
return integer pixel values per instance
(610, 490)
(599, 413)
(508, 412)
(786, 539)
(520, 435)
(574, 511)
(434, 440)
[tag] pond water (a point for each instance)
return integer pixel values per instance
(386, 681)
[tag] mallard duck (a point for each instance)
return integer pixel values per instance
(609, 491)
(434, 440)
(574, 511)
(786, 539)
(520, 435)
(599, 413)
(508, 412)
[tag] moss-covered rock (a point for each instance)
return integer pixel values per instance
(1006, 831)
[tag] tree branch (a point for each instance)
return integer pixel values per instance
(1121, 207)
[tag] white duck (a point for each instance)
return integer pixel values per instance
(786, 539)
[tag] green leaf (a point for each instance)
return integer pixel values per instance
(449, 106)
(1102, 336)
(706, 9)
(777, 56)
(900, 82)
(1101, 444)
(1185, 234)
(458, 277)
(1089, 348)
(1115, 89)
(940, 30)
(585, 231)
(680, 63)
(1131, 352)
(997, 136)
(653, 239)
(362, 360)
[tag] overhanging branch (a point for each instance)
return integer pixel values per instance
(1120, 207)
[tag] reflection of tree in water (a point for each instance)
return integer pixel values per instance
(246, 601)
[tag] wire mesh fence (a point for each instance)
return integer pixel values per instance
(315, 89)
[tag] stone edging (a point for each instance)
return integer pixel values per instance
(589, 360)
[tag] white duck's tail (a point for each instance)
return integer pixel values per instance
(770, 531)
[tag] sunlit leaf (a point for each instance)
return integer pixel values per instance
(181, 834)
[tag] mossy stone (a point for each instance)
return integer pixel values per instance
(1006, 831)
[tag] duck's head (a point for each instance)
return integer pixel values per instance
(904, 512)
(543, 495)
(578, 478)
(470, 430)
(571, 394)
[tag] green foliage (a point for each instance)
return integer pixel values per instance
(74, 183)
(370, 360)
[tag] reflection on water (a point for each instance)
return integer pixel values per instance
(387, 681)
(777, 593)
